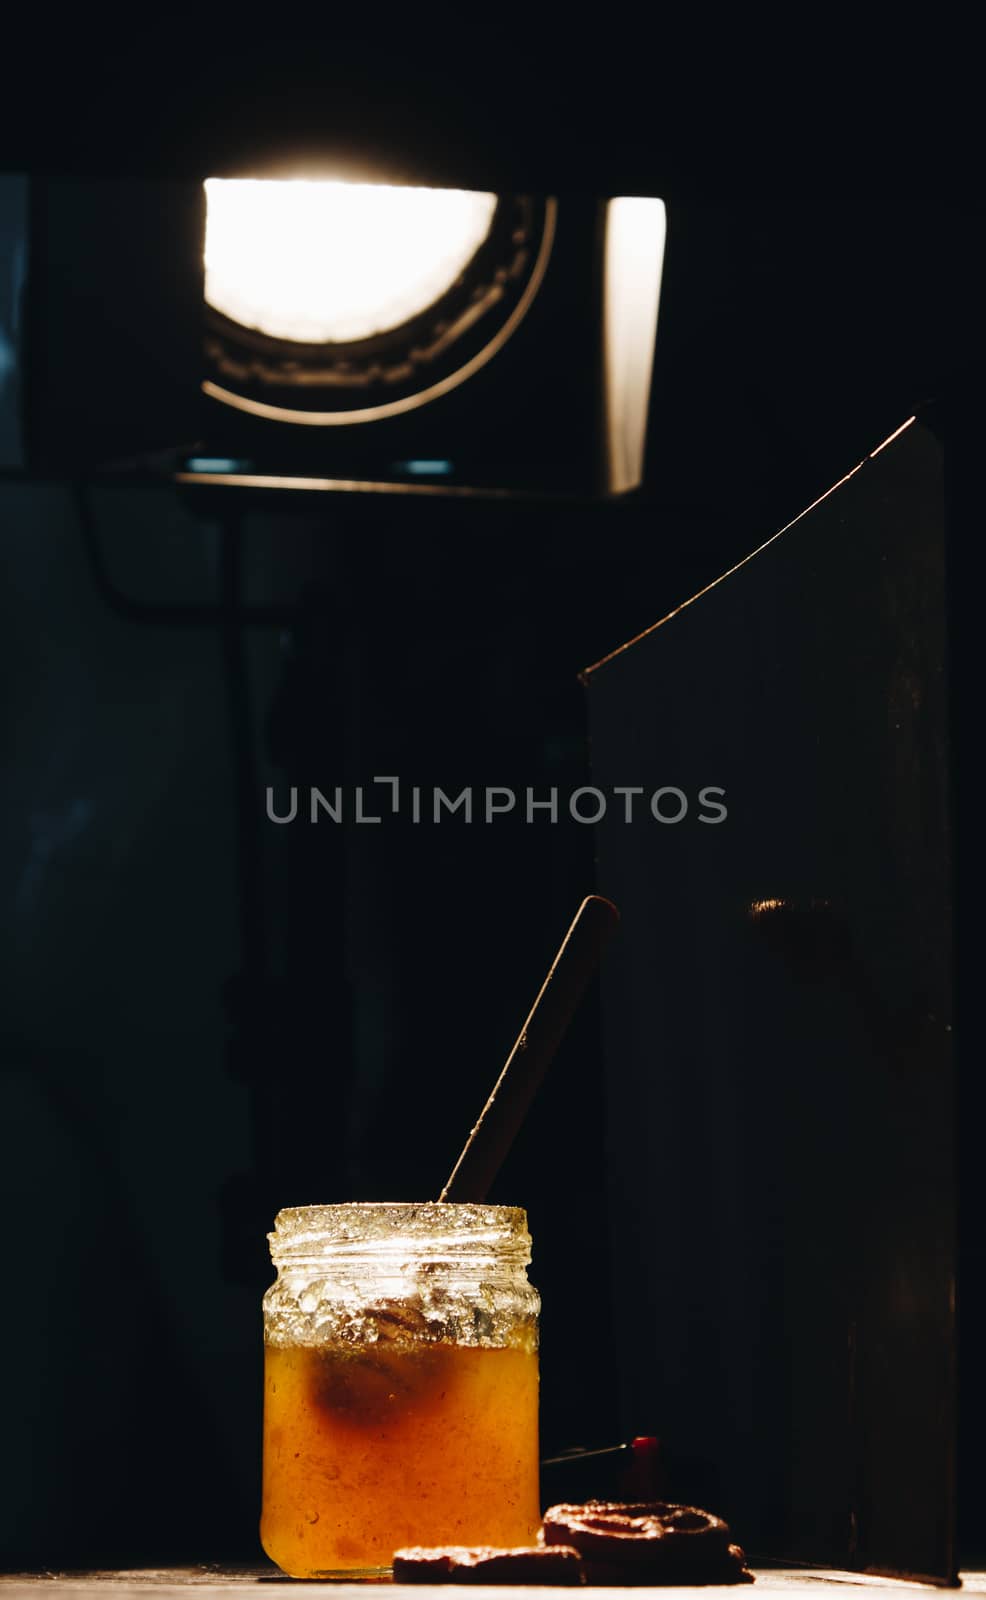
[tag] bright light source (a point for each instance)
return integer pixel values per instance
(633, 263)
(324, 262)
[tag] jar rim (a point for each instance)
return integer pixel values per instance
(435, 1226)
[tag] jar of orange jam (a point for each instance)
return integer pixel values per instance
(401, 1385)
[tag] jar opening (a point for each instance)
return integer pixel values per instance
(379, 1229)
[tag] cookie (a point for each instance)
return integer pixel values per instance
(480, 1564)
(651, 1542)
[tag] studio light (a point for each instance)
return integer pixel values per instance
(331, 305)
(309, 330)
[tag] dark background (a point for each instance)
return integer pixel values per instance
(207, 1017)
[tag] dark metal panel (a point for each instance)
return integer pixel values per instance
(780, 1074)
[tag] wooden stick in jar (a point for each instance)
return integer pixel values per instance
(503, 1115)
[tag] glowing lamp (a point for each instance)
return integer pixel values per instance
(332, 305)
(325, 330)
(330, 263)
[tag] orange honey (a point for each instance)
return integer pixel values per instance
(368, 1448)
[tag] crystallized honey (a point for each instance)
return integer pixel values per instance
(368, 1448)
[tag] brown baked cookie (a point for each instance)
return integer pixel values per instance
(652, 1542)
(480, 1564)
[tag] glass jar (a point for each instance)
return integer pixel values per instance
(401, 1385)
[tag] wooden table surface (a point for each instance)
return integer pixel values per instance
(222, 1583)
